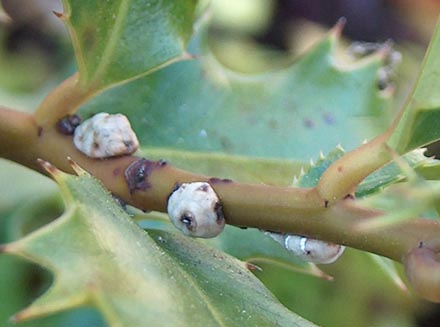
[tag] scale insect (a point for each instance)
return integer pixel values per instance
(105, 135)
(196, 210)
(309, 249)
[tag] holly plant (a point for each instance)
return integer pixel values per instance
(216, 147)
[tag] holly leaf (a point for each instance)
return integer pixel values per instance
(387, 175)
(249, 245)
(421, 116)
(115, 41)
(240, 168)
(100, 257)
(315, 103)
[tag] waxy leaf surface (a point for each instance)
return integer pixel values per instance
(313, 104)
(119, 40)
(100, 257)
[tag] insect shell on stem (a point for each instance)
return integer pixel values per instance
(309, 249)
(195, 209)
(105, 135)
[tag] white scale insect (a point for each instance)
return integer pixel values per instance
(105, 135)
(196, 210)
(309, 249)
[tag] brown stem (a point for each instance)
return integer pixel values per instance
(147, 185)
(63, 100)
(345, 174)
(296, 210)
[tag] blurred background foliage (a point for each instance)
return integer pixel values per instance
(248, 36)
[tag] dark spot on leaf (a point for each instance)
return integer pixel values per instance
(308, 123)
(329, 119)
(340, 169)
(326, 203)
(68, 124)
(273, 124)
(90, 37)
(226, 143)
(40, 131)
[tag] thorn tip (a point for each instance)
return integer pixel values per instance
(339, 27)
(78, 170)
(46, 165)
(58, 14)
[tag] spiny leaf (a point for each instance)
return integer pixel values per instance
(392, 173)
(254, 246)
(115, 41)
(402, 202)
(385, 176)
(314, 104)
(310, 175)
(250, 245)
(421, 116)
(100, 257)
(389, 268)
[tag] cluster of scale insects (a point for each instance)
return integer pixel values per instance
(194, 208)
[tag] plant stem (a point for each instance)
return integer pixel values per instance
(343, 176)
(301, 211)
(295, 210)
(63, 100)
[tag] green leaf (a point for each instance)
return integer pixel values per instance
(119, 40)
(392, 173)
(383, 177)
(388, 267)
(421, 116)
(239, 168)
(250, 245)
(311, 174)
(314, 104)
(100, 257)
(22, 184)
(254, 246)
(415, 198)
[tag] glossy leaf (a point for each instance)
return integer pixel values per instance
(421, 116)
(99, 256)
(254, 246)
(250, 245)
(383, 177)
(238, 168)
(314, 104)
(115, 41)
